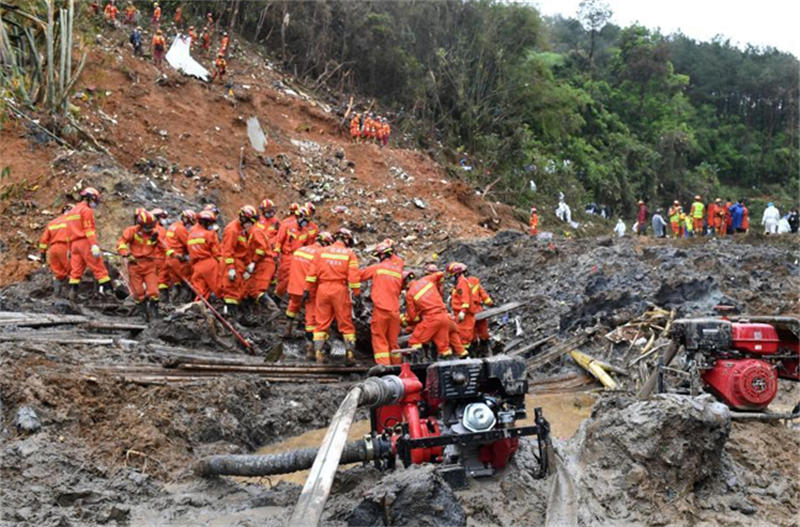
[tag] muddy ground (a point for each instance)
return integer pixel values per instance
(118, 453)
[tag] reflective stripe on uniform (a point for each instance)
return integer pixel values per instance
(57, 226)
(305, 255)
(332, 256)
(390, 273)
(229, 260)
(422, 291)
(311, 279)
(195, 241)
(354, 285)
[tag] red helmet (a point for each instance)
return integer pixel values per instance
(409, 275)
(325, 238)
(294, 208)
(430, 268)
(386, 247)
(90, 193)
(159, 213)
(207, 216)
(145, 218)
(533, 209)
(248, 213)
(213, 208)
(266, 205)
(455, 268)
(345, 235)
(310, 208)
(188, 216)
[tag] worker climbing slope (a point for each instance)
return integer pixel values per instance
(84, 249)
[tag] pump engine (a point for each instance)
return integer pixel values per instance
(460, 413)
(740, 361)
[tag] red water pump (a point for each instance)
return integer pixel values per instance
(460, 414)
(740, 361)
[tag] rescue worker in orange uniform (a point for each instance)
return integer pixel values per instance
(479, 298)
(178, 17)
(387, 131)
(387, 284)
(712, 217)
(177, 254)
(262, 255)
(287, 241)
(139, 244)
(355, 124)
(333, 275)
(161, 253)
(54, 248)
(156, 20)
(223, 43)
(220, 65)
(425, 308)
(204, 252)
(674, 218)
(460, 302)
(130, 14)
(310, 230)
(300, 268)
(432, 273)
(366, 127)
(83, 248)
(726, 220)
(534, 223)
(159, 47)
(192, 37)
(236, 256)
(719, 217)
(745, 218)
(110, 12)
(206, 38)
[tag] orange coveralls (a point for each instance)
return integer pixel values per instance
(534, 224)
(82, 235)
(712, 215)
(479, 297)
(334, 270)
(162, 271)
(55, 241)
(299, 270)
(178, 268)
(387, 284)
(261, 241)
(461, 300)
(354, 125)
(236, 256)
(287, 241)
(142, 272)
(425, 308)
(111, 12)
(204, 253)
(130, 13)
(455, 339)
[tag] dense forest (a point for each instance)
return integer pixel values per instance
(577, 105)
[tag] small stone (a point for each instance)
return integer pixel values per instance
(27, 421)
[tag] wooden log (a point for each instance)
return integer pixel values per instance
(557, 351)
(499, 310)
(57, 340)
(533, 345)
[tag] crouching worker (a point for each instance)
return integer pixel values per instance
(139, 244)
(425, 308)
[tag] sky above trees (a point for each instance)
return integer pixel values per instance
(760, 23)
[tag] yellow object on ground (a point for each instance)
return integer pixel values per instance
(592, 366)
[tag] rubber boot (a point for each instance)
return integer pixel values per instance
(320, 357)
(73, 292)
(309, 347)
(349, 358)
(152, 307)
(268, 302)
(58, 287)
(289, 329)
(142, 308)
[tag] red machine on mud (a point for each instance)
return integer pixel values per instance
(460, 414)
(740, 359)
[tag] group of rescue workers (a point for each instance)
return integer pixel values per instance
(319, 271)
(159, 40)
(368, 127)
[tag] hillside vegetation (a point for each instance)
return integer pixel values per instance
(600, 112)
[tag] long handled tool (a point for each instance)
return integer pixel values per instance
(247, 345)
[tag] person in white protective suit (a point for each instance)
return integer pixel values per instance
(563, 212)
(770, 219)
(620, 228)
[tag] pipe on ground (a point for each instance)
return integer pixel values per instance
(271, 464)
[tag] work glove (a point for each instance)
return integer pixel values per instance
(231, 274)
(44, 258)
(461, 316)
(304, 298)
(251, 267)
(96, 251)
